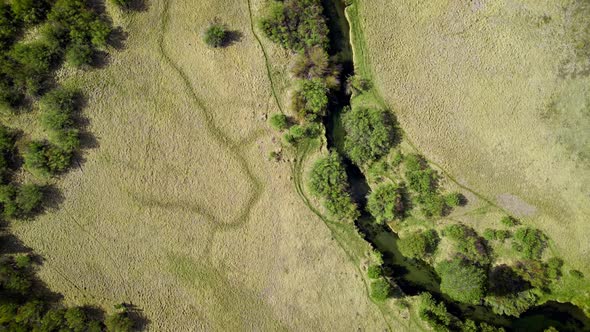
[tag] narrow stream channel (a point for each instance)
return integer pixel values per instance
(414, 277)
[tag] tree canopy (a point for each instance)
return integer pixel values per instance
(462, 281)
(369, 134)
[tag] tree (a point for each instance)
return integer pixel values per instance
(79, 55)
(279, 121)
(462, 280)
(374, 271)
(329, 181)
(30, 11)
(529, 242)
(8, 26)
(28, 198)
(419, 244)
(76, 319)
(369, 134)
(380, 289)
(216, 34)
(119, 322)
(509, 221)
(386, 203)
(310, 100)
(434, 313)
(295, 24)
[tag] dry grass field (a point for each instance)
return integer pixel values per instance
(175, 208)
(497, 94)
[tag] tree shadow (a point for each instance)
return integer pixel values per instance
(52, 198)
(232, 37)
(503, 280)
(138, 6)
(140, 320)
(117, 38)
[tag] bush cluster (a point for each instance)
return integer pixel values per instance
(279, 121)
(328, 180)
(46, 159)
(434, 313)
(25, 307)
(509, 221)
(297, 133)
(529, 242)
(468, 243)
(496, 234)
(216, 35)
(295, 24)
(369, 134)
(462, 280)
(7, 141)
(423, 181)
(419, 245)
(512, 304)
(539, 274)
(20, 201)
(380, 289)
(71, 29)
(310, 99)
(386, 203)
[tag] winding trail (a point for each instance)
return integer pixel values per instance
(234, 148)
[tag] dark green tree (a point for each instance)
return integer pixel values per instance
(216, 34)
(369, 134)
(419, 244)
(386, 203)
(462, 280)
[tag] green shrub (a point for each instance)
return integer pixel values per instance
(454, 199)
(295, 24)
(534, 272)
(8, 26)
(7, 198)
(33, 62)
(310, 100)
(419, 245)
(468, 243)
(279, 121)
(28, 199)
(329, 181)
(298, 132)
(83, 24)
(30, 11)
(380, 289)
(529, 242)
(46, 159)
(462, 280)
(75, 319)
(374, 271)
(512, 304)
(79, 55)
(386, 203)
(434, 313)
(493, 234)
(119, 322)
(216, 35)
(369, 134)
(423, 181)
(554, 265)
(509, 221)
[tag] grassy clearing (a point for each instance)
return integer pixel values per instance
(480, 89)
(176, 209)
